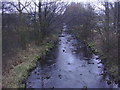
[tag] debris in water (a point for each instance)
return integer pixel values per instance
(38, 70)
(47, 77)
(99, 62)
(84, 88)
(80, 74)
(99, 67)
(68, 63)
(30, 86)
(52, 88)
(105, 69)
(38, 74)
(61, 36)
(108, 82)
(28, 74)
(59, 76)
(101, 74)
(29, 82)
(63, 50)
(90, 63)
(38, 78)
(97, 58)
(35, 72)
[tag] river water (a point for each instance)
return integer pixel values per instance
(70, 68)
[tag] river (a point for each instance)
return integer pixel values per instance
(70, 68)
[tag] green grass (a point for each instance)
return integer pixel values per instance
(92, 46)
(20, 72)
(112, 69)
(110, 65)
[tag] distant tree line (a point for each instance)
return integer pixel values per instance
(81, 18)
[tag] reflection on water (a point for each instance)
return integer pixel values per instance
(69, 67)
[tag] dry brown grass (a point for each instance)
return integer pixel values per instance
(17, 70)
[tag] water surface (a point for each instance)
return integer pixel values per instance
(70, 68)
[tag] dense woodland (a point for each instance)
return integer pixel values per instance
(33, 24)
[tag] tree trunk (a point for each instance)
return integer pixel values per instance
(107, 26)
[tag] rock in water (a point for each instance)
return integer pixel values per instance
(60, 76)
(52, 88)
(47, 77)
(68, 63)
(63, 50)
(99, 67)
(84, 88)
(108, 82)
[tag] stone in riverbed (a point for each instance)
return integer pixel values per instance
(47, 77)
(29, 82)
(108, 82)
(59, 76)
(35, 72)
(38, 74)
(68, 63)
(38, 78)
(90, 63)
(105, 69)
(84, 88)
(99, 62)
(101, 74)
(99, 67)
(52, 88)
(97, 57)
(63, 50)
(30, 86)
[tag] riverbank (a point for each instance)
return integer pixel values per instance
(25, 62)
(110, 63)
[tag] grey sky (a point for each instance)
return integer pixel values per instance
(70, 0)
(95, 2)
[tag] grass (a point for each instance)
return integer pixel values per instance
(112, 69)
(111, 64)
(91, 45)
(19, 73)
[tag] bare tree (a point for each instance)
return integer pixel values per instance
(20, 7)
(47, 13)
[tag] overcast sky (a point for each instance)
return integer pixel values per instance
(95, 2)
(68, 0)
